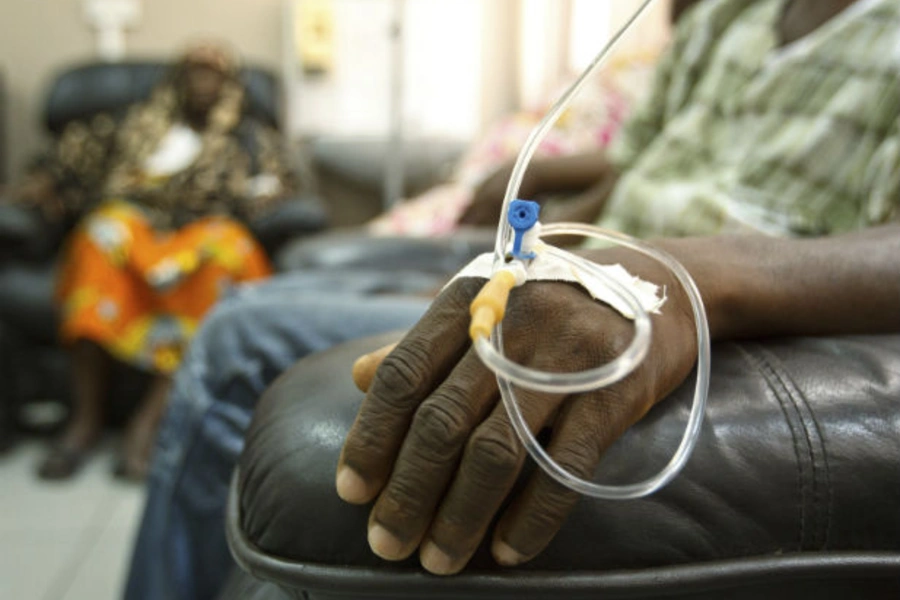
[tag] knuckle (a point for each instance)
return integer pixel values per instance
(578, 458)
(596, 341)
(604, 422)
(495, 452)
(440, 424)
(461, 292)
(589, 333)
(366, 452)
(403, 375)
(609, 413)
(550, 505)
(548, 510)
(636, 389)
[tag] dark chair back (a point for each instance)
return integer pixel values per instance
(82, 91)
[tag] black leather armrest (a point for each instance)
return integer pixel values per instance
(293, 218)
(26, 300)
(18, 225)
(24, 235)
(356, 249)
(793, 490)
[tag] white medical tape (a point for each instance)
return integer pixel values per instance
(545, 267)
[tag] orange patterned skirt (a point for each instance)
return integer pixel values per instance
(140, 293)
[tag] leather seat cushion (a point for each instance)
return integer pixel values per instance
(795, 485)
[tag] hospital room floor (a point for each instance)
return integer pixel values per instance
(66, 540)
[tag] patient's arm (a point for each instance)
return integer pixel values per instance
(760, 286)
(434, 448)
(586, 207)
(574, 173)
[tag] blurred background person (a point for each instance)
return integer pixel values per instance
(161, 243)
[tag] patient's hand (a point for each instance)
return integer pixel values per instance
(432, 443)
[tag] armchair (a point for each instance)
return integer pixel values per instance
(792, 491)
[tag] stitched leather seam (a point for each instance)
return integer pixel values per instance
(822, 488)
(811, 483)
(765, 370)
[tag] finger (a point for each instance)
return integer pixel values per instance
(586, 426)
(490, 465)
(404, 379)
(365, 366)
(428, 458)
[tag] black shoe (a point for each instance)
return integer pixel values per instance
(61, 463)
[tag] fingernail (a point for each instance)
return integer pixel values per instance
(351, 487)
(384, 544)
(434, 560)
(505, 555)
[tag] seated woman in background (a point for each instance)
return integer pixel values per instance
(146, 263)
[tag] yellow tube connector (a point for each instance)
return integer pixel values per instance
(489, 306)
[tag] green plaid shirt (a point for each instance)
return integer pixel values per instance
(739, 134)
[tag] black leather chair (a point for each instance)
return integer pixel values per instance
(4, 103)
(792, 492)
(351, 250)
(82, 91)
(27, 310)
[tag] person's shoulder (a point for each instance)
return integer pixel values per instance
(885, 8)
(713, 17)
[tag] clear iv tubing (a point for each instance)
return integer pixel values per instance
(582, 381)
(491, 351)
(508, 373)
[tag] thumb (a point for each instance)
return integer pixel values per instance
(365, 366)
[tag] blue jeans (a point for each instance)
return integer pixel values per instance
(245, 343)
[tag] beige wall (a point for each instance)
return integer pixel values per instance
(37, 37)
(653, 29)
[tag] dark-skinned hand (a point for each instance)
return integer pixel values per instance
(432, 445)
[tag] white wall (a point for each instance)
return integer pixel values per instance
(442, 74)
(444, 66)
(560, 38)
(589, 30)
(544, 27)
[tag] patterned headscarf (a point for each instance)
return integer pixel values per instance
(212, 55)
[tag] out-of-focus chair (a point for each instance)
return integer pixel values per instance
(27, 309)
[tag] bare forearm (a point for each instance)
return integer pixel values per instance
(586, 207)
(757, 286)
(567, 173)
